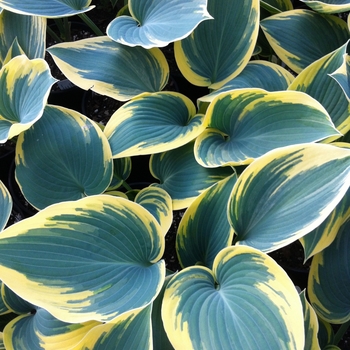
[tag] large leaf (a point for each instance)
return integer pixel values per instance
(5, 205)
(15, 303)
(300, 37)
(329, 279)
(342, 76)
(246, 302)
(182, 177)
(287, 193)
(246, 123)
(157, 23)
(24, 87)
(122, 72)
(47, 8)
(257, 74)
(204, 229)
(328, 6)
(29, 31)
(219, 49)
(316, 81)
(91, 259)
(42, 331)
(153, 123)
(64, 156)
(276, 6)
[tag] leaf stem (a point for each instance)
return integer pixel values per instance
(341, 331)
(91, 24)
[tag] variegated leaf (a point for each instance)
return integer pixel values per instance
(5, 205)
(328, 6)
(342, 76)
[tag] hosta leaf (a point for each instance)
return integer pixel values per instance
(15, 303)
(153, 123)
(182, 177)
(342, 76)
(223, 54)
(123, 72)
(91, 259)
(28, 31)
(204, 229)
(315, 80)
(47, 8)
(276, 6)
(310, 324)
(257, 74)
(246, 302)
(42, 331)
(300, 37)
(64, 156)
(3, 307)
(14, 50)
(328, 6)
(324, 234)
(246, 123)
(158, 203)
(329, 279)
(304, 181)
(157, 23)
(5, 205)
(121, 171)
(25, 86)
(131, 330)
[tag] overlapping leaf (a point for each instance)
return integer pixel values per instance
(91, 259)
(153, 123)
(64, 156)
(304, 181)
(227, 308)
(5, 205)
(328, 6)
(204, 229)
(157, 23)
(342, 76)
(276, 6)
(182, 177)
(224, 44)
(300, 37)
(246, 123)
(24, 87)
(47, 8)
(315, 80)
(329, 279)
(122, 72)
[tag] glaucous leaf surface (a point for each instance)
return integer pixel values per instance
(182, 177)
(276, 6)
(47, 8)
(300, 37)
(14, 302)
(329, 279)
(224, 44)
(5, 205)
(24, 87)
(3, 307)
(91, 259)
(153, 123)
(42, 331)
(64, 156)
(315, 80)
(256, 74)
(157, 23)
(304, 181)
(204, 229)
(227, 307)
(122, 72)
(342, 76)
(328, 6)
(121, 171)
(243, 124)
(28, 31)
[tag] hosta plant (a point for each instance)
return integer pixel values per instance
(257, 162)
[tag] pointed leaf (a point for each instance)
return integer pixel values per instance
(342, 76)
(276, 6)
(47, 8)
(5, 205)
(304, 181)
(14, 50)
(91, 259)
(295, 36)
(328, 6)
(257, 74)
(224, 44)
(246, 302)
(153, 123)
(157, 23)
(174, 169)
(122, 73)
(246, 123)
(204, 229)
(329, 279)
(64, 156)
(315, 80)
(25, 86)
